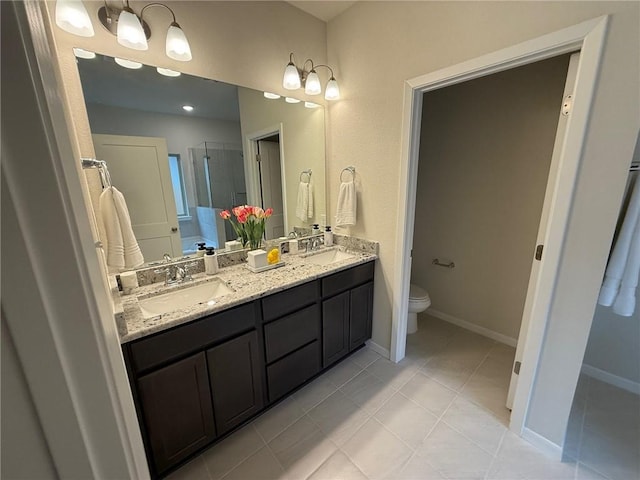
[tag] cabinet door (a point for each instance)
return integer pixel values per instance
(361, 315)
(235, 371)
(335, 328)
(176, 404)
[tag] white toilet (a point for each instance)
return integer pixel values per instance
(419, 301)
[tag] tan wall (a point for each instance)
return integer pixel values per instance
(485, 152)
(303, 144)
(376, 46)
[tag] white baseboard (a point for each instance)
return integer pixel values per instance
(485, 332)
(610, 378)
(542, 444)
(378, 349)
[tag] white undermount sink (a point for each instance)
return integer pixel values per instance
(206, 292)
(328, 257)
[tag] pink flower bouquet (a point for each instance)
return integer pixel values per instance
(248, 223)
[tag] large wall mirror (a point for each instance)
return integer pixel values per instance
(178, 168)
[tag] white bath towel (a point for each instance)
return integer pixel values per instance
(347, 205)
(304, 203)
(624, 263)
(120, 245)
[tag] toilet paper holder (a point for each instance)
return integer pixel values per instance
(440, 264)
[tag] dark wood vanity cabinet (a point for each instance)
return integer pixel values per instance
(196, 382)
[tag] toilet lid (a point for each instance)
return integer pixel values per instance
(416, 292)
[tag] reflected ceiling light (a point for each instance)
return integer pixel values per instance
(128, 63)
(295, 77)
(167, 72)
(72, 17)
(82, 53)
(291, 100)
(187, 108)
(311, 105)
(130, 28)
(271, 96)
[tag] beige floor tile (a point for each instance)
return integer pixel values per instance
(453, 455)
(376, 451)
(429, 325)
(301, 448)
(338, 417)
(367, 391)
(585, 473)
(428, 393)
(393, 374)
(221, 458)
(365, 356)
(314, 393)
(262, 465)
(494, 371)
(343, 372)
(338, 467)
(475, 423)
(196, 469)
(406, 419)
(488, 395)
(270, 424)
(503, 353)
(448, 372)
(417, 468)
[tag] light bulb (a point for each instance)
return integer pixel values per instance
(312, 84)
(332, 92)
(130, 33)
(177, 46)
(167, 72)
(127, 63)
(187, 108)
(271, 96)
(291, 100)
(291, 79)
(72, 17)
(311, 105)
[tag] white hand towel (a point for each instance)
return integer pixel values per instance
(132, 255)
(346, 209)
(625, 303)
(310, 201)
(618, 260)
(302, 203)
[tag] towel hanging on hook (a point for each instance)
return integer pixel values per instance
(351, 170)
(308, 173)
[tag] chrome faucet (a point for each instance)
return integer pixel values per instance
(176, 273)
(314, 243)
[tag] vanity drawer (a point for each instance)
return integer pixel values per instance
(292, 371)
(291, 332)
(155, 350)
(290, 300)
(347, 279)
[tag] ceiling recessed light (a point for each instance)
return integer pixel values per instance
(128, 63)
(167, 72)
(187, 108)
(291, 100)
(82, 53)
(271, 96)
(311, 105)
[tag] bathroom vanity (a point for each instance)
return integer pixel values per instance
(197, 377)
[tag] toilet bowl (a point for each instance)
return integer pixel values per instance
(419, 301)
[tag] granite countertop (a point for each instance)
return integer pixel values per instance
(247, 286)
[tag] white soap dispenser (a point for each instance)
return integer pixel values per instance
(328, 236)
(210, 261)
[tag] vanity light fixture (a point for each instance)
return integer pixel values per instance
(128, 63)
(295, 77)
(291, 100)
(271, 96)
(311, 105)
(168, 72)
(130, 28)
(187, 108)
(82, 53)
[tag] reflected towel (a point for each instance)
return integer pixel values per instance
(304, 203)
(121, 247)
(624, 263)
(346, 209)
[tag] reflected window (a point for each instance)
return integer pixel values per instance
(177, 181)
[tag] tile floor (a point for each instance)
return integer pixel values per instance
(439, 414)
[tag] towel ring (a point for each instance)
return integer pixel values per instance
(351, 170)
(307, 172)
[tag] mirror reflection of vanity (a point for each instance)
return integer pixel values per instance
(178, 169)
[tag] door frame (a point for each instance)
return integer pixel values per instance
(252, 175)
(587, 37)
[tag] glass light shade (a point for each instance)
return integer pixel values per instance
(177, 46)
(72, 17)
(332, 92)
(82, 53)
(130, 33)
(291, 79)
(168, 72)
(311, 105)
(291, 100)
(271, 96)
(128, 63)
(312, 84)
(187, 108)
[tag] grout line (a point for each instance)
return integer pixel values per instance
(246, 456)
(495, 456)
